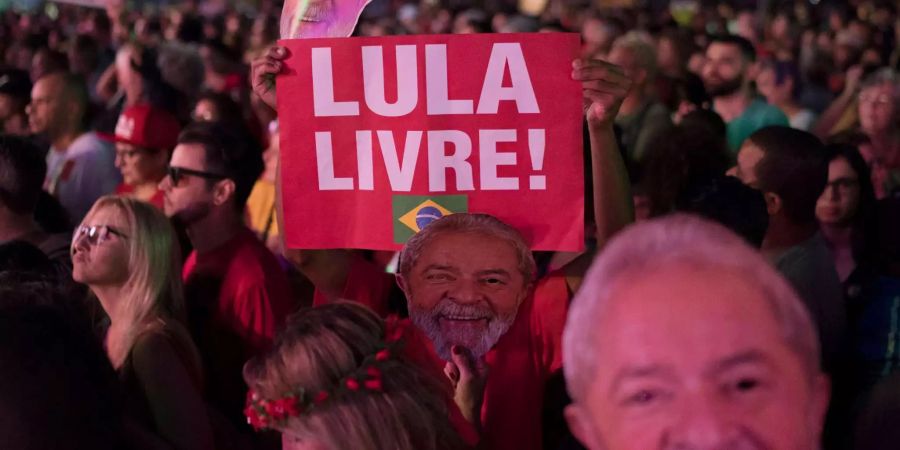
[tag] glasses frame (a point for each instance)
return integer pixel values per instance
(176, 174)
(96, 234)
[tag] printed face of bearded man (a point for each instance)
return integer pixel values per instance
(465, 289)
(320, 18)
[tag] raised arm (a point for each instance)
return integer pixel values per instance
(326, 269)
(824, 126)
(604, 86)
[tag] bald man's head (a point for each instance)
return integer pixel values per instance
(59, 105)
(682, 336)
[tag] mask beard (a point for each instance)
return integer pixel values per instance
(479, 343)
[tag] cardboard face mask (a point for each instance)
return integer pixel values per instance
(320, 18)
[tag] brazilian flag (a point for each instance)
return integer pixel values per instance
(412, 213)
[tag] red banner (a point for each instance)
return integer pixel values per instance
(380, 136)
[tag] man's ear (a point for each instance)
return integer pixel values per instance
(580, 425)
(773, 203)
(223, 191)
(403, 283)
(640, 76)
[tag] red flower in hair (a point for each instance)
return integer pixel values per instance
(383, 355)
(373, 380)
(285, 407)
(269, 408)
(254, 418)
(320, 398)
(352, 384)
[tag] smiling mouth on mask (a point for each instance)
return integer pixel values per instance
(463, 318)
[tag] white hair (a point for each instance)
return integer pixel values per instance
(642, 48)
(677, 239)
(182, 67)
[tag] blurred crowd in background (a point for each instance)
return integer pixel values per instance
(798, 102)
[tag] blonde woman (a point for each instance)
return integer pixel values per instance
(125, 251)
(340, 378)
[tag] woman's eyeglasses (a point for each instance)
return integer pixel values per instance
(177, 173)
(96, 234)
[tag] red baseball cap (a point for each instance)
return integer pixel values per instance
(148, 127)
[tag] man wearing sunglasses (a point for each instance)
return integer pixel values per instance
(236, 292)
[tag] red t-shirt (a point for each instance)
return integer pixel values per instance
(520, 364)
(158, 200)
(237, 297)
(366, 284)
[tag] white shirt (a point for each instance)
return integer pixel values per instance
(81, 174)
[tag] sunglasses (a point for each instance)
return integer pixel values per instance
(178, 173)
(96, 234)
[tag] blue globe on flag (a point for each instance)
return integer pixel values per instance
(426, 215)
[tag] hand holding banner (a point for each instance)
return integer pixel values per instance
(380, 136)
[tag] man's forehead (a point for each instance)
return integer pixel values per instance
(685, 296)
(455, 246)
(51, 83)
(724, 50)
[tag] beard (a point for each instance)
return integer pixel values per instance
(189, 215)
(725, 87)
(475, 327)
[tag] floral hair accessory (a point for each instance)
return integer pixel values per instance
(270, 413)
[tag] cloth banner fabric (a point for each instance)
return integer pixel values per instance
(381, 136)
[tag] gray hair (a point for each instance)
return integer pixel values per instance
(467, 223)
(182, 67)
(885, 75)
(673, 240)
(642, 48)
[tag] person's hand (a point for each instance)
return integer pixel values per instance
(604, 86)
(684, 108)
(263, 71)
(468, 375)
(852, 79)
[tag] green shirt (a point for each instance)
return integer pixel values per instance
(758, 114)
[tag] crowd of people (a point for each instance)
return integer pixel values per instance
(740, 286)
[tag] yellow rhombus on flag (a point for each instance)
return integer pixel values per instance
(409, 219)
(412, 213)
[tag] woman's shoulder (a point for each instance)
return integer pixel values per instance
(162, 345)
(156, 340)
(163, 338)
